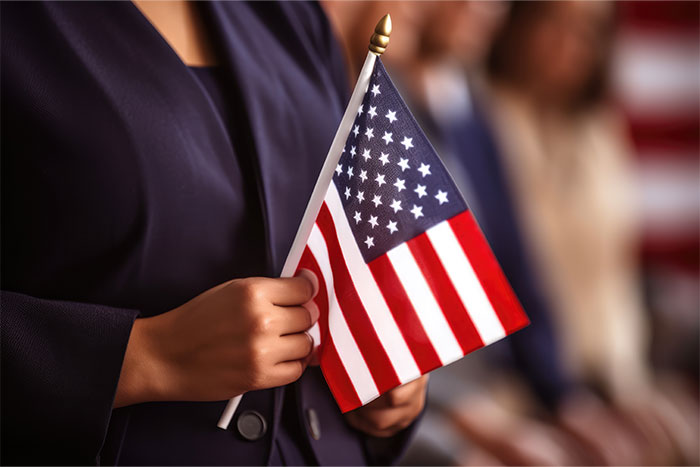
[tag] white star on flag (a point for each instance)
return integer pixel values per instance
(347, 192)
(392, 227)
(360, 196)
(363, 175)
(424, 169)
(417, 211)
(365, 154)
(384, 158)
(359, 111)
(391, 115)
(407, 142)
(373, 221)
(372, 112)
(369, 133)
(377, 200)
(369, 241)
(375, 90)
(356, 130)
(441, 196)
(420, 190)
(400, 184)
(403, 163)
(396, 206)
(387, 137)
(339, 169)
(358, 217)
(350, 169)
(380, 179)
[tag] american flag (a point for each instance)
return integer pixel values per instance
(407, 281)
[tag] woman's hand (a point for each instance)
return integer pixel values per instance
(239, 336)
(392, 411)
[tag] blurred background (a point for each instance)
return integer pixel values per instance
(572, 129)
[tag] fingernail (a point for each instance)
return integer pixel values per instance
(308, 357)
(311, 278)
(313, 310)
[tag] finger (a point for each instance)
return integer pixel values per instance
(383, 419)
(291, 320)
(288, 372)
(290, 291)
(401, 396)
(380, 423)
(409, 393)
(393, 429)
(311, 276)
(294, 347)
(397, 397)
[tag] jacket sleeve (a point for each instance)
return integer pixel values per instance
(60, 367)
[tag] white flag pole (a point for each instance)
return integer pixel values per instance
(378, 43)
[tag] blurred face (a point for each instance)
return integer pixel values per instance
(463, 30)
(564, 47)
(428, 29)
(422, 30)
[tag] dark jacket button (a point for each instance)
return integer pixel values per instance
(314, 424)
(251, 425)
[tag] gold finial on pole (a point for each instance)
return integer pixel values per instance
(380, 38)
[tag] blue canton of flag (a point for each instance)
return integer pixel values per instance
(392, 183)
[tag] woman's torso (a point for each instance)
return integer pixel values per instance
(122, 185)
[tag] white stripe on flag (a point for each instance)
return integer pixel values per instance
(371, 297)
(345, 344)
(429, 312)
(466, 283)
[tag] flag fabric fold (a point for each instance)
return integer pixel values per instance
(407, 281)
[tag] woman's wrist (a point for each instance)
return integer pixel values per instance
(140, 378)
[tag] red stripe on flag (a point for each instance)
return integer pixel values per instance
(355, 314)
(405, 315)
(488, 271)
(333, 370)
(445, 293)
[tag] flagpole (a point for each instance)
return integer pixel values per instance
(377, 46)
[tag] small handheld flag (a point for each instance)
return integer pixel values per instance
(407, 281)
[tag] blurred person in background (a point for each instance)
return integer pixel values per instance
(565, 156)
(567, 161)
(436, 52)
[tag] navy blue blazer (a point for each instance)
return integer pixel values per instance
(125, 194)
